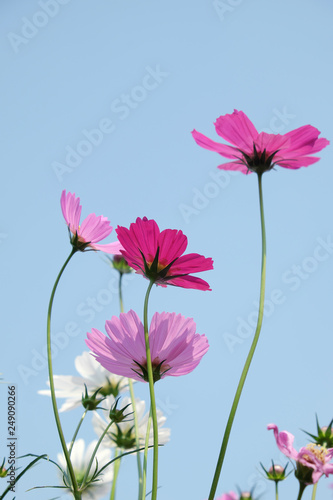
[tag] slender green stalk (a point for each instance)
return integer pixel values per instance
(76, 432)
(135, 415)
(115, 476)
(145, 459)
(120, 293)
(152, 393)
(136, 430)
(251, 352)
(302, 487)
(76, 493)
(314, 491)
(84, 480)
(276, 490)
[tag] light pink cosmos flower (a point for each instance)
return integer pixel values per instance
(92, 229)
(258, 152)
(158, 255)
(176, 349)
(229, 496)
(312, 456)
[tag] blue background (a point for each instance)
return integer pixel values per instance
(72, 74)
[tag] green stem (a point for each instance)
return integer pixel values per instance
(84, 480)
(120, 293)
(302, 487)
(145, 458)
(135, 415)
(314, 491)
(251, 352)
(77, 494)
(276, 490)
(136, 429)
(115, 476)
(76, 432)
(152, 393)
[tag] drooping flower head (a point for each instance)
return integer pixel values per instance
(158, 255)
(92, 377)
(122, 434)
(98, 486)
(252, 151)
(176, 348)
(312, 460)
(90, 231)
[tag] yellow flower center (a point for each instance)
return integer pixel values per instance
(319, 451)
(160, 266)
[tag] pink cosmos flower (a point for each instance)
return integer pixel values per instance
(158, 255)
(258, 152)
(92, 229)
(229, 496)
(175, 347)
(312, 456)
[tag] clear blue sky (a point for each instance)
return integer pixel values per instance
(145, 74)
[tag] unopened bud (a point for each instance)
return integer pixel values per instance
(120, 264)
(276, 472)
(245, 495)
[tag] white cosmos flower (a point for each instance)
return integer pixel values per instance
(93, 375)
(80, 460)
(122, 435)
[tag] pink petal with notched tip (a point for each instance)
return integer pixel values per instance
(172, 244)
(189, 282)
(95, 228)
(222, 149)
(192, 263)
(236, 166)
(71, 210)
(237, 129)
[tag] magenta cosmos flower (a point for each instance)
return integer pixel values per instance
(258, 152)
(92, 229)
(158, 255)
(176, 349)
(312, 460)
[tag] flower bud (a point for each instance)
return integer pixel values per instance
(245, 495)
(324, 435)
(118, 415)
(91, 403)
(276, 472)
(120, 264)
